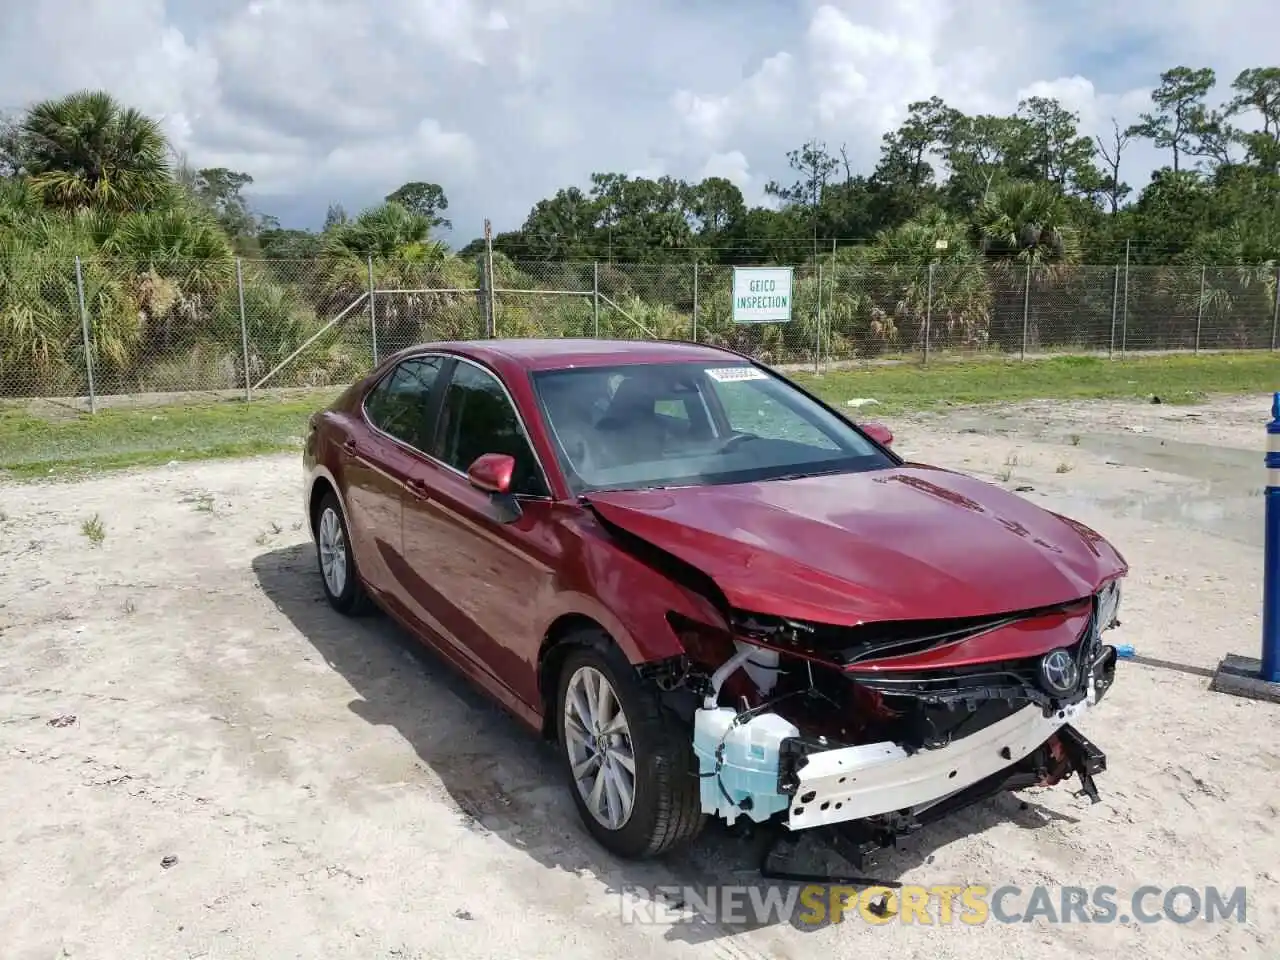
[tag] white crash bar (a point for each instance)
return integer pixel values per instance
(864, 781)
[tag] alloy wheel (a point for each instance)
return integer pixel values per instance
(597, 738)
(333, 551)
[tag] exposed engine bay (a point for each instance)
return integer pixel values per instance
(890, 724)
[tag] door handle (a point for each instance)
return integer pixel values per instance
(417, 487)
(349, 446)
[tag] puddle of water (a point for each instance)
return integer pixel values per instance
(1229, 512)
(1225, 499)
(1199, 461)
(1226, 502)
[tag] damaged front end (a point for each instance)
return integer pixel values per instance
(894, 725)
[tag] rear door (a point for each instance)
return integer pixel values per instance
(377, 465)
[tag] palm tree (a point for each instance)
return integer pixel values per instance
(88, 150)
(387, 231)
(158, 272)
(176, 262)
(1026, 222)
(925, 269)
(396, 243)
(41, 346)
(1025, 232)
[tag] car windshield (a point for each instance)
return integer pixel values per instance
(688, 424)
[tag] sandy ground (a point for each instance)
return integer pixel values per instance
(182, 691)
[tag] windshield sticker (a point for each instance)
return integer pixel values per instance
(732, 374)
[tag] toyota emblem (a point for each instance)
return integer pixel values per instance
(1059, 671)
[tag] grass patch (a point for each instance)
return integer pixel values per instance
(33, 446)
(1174, 379)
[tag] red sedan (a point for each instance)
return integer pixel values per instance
(715, 593)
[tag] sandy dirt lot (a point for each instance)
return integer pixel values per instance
(199, 759)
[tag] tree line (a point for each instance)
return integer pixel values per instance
(1029, 186)
(171, 264)
(166, 251)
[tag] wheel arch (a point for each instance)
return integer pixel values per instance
(634, 618)
(322, 482)
(558, 640)
(660, 643)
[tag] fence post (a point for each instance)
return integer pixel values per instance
(491, 300)
(1124, 315)
(1026, 310)
(695, 301)
(1200, 309)
(88, 341)
(817, 330)
(928, 314)
(1115, 308)
(1275, 312)
(244, 331)
(595, 298)
(373, 316)
(831, 298)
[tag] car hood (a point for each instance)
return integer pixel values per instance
(906, 543)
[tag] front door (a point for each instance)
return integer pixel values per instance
(485, 580)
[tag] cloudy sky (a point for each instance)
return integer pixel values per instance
(503, 101)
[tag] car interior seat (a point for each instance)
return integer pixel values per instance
(634, 430)
(570, 423)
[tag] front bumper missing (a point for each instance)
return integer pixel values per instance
(831, 786)
(856, 840)
(853, 783)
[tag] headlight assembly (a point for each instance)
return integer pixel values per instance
(1109, 605)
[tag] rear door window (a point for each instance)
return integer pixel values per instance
(400, 404)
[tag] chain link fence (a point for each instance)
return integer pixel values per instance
(82, 329)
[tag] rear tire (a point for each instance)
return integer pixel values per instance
(663, 810)
(337, 563)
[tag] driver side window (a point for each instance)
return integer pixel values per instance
(477, 418)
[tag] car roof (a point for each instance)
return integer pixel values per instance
(533, 353)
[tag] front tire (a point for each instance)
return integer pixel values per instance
(338, 574)
(628, 760)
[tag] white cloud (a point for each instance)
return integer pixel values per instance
(504, 101)
(733, 166)
(761, 99)
(863, 74)
(650, 170)
(393, 158)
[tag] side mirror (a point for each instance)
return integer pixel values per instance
(877, 432)
(491, 472)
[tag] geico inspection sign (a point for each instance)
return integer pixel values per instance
(761, 294)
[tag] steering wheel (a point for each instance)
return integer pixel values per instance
(737, 440)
